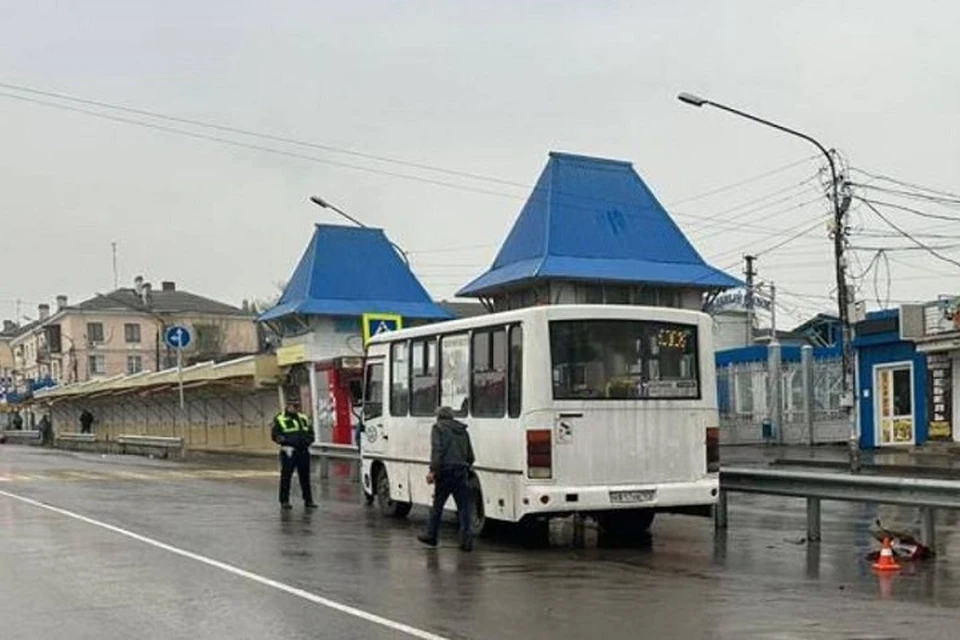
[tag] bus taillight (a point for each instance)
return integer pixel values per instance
(713, 449)
(539, 454)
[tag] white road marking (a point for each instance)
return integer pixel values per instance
(237, 571)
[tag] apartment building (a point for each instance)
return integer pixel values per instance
(121, 332)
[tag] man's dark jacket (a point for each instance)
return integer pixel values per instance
(450, 446)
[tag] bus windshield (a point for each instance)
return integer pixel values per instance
(623, 359)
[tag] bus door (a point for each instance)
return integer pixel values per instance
(374, 435)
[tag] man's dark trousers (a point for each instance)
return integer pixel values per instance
(299, 462)
(452, 482)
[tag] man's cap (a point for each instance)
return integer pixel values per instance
(445, 412)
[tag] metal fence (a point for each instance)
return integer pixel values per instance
(800, 402)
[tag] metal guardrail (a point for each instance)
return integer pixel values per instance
(327, 450)
(18, 435)
(164, 444)
(927, 494)
(77, 437)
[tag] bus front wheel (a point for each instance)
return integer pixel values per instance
(387, 506)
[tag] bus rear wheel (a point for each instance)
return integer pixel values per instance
(629, 525)
(387, 506)
(479, 524)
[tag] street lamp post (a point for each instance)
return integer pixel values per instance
(839, 234)
(323, 204)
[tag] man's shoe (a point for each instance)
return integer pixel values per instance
(467, 547)
(286, 506)
(427, 540)
(311, 505)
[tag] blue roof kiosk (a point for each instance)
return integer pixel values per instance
(892, 382)
(593, 232)
(346, 276)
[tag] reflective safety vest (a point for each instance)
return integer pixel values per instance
(292, 425)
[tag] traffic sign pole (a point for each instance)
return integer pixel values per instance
(178, 338)
(180, 379)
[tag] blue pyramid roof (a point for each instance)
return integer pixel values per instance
(595, 219)
(349, 271)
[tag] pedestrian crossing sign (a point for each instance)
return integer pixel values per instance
(377, 323)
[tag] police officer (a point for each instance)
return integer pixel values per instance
(293, 432)
(451, 456)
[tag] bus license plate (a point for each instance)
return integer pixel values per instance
(632, 497)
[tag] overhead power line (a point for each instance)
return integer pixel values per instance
(257, 147)
(740, 183)
(908, 236)
(259, 134)
(818, 224)
(101, 104)
(903, 183)
(713, 220)
(917, 212)
(913, 195)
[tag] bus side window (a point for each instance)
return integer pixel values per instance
(488, 392)
(399, 382)
(373, 391)
(515, 373)
(424, 384)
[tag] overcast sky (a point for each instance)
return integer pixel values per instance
(487, 88)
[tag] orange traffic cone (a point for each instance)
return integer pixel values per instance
(885, 561)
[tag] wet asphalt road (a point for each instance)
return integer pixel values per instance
(61, 577)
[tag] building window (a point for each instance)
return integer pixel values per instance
(54, 338)
(515, 373)
(489, 373)
(95, 332)
(647, 297)
(399, 380)
(97, 365)
(455, 373)
(208, 337)
(134, 364)
(346, 324)
(423, 377)
(131, 333)
(616, 294)
(590, 294)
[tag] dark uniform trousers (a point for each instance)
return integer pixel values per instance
(299, 462)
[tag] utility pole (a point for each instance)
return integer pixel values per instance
(748, 296)
(845, 302)
(773, 314)
(116, 281)
(775, 371)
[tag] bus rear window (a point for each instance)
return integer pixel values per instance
(623, 359)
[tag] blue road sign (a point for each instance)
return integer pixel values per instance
(177, 337)
(377, 323)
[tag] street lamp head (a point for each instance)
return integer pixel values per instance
(692, 99)
(320, 202)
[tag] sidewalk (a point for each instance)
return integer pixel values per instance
(931, 460)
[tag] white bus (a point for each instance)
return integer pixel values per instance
(609, 411)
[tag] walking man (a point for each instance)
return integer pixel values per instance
(293, 432)
(46, 430)
(451, 457)
(86, 421)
